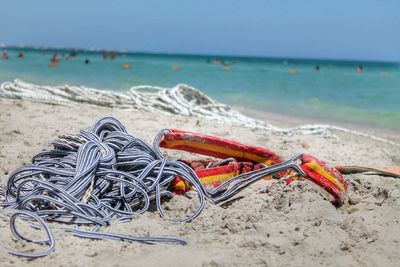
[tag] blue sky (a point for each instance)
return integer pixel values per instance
(354, 29)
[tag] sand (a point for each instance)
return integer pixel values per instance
(269, 224)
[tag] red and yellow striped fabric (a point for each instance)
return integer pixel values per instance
(248, 158)
(217, 147)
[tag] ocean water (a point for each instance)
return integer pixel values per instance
(337, 92)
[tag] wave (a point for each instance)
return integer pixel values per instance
(181, 99)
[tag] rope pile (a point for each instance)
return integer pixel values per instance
(103, 175)
(181, 99)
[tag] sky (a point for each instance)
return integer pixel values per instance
(341, 29)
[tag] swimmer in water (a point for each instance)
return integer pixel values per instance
(87, 61)
(21, 55)
(360, 69)
(317, 68)
(4, 55)
(55, 60)
(105, 55)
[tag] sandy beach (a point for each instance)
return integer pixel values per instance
(291, 111)
(269, 225)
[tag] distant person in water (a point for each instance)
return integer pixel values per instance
(21, 55)
(87, 61)
(4, 55)
(317, 68)
(113, 55)
(360, 69)
(105, 55)
(55, 60)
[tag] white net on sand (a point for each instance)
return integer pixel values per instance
(181, 99)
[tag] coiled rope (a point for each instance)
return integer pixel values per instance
(103, 175)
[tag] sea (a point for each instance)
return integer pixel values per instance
(356, 92)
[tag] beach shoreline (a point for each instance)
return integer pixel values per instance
(188, 101)
(335, 91)
(288, 121)
(270, 224)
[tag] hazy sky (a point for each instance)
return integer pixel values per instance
(348, 29)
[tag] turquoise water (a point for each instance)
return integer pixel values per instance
(336, 92)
